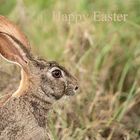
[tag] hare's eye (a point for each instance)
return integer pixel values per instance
(56, 73)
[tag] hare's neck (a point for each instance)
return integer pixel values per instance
(24, 85)
(29, 109)
(39, 108)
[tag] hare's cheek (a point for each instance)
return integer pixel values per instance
(60, 88)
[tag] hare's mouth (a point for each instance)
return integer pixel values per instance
(55, 97)
(68, 92)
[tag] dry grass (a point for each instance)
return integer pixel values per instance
(104, 57)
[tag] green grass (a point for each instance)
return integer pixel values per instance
(104, 56)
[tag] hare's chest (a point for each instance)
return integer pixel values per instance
(15, 132)
(19, 121)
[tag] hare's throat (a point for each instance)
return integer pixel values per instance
(24, 85)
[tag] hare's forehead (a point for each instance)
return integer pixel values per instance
(53, 65)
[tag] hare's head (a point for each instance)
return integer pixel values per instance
(53, 80)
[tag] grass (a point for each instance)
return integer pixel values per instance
(103, 55)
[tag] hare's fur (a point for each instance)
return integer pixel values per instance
(24, 118)
(23, 114)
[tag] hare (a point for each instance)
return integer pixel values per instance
(23, 114)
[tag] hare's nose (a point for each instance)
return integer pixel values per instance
(76, 88)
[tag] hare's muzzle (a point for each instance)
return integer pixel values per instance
(71, 90)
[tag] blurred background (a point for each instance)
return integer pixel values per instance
(103, 55)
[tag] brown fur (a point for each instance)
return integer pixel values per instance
(23, 114)
(4, 98)
(9, 28)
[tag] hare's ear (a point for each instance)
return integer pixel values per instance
(14, 46)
